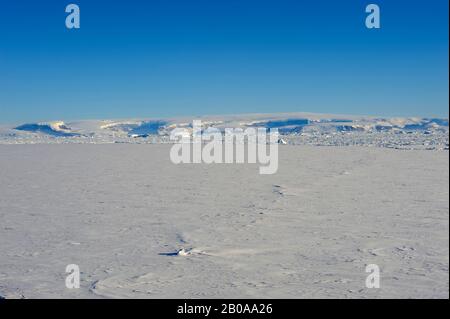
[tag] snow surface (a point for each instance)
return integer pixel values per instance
(139, 226)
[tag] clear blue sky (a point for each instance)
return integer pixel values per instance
(160, 58)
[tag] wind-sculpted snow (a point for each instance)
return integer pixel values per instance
(136, 128)
(53, 129)
(297, 128)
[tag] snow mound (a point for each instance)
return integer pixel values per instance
(136, 128)
(57, 128)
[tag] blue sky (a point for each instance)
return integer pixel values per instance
(164, 58)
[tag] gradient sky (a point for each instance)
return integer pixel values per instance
(161, 58)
